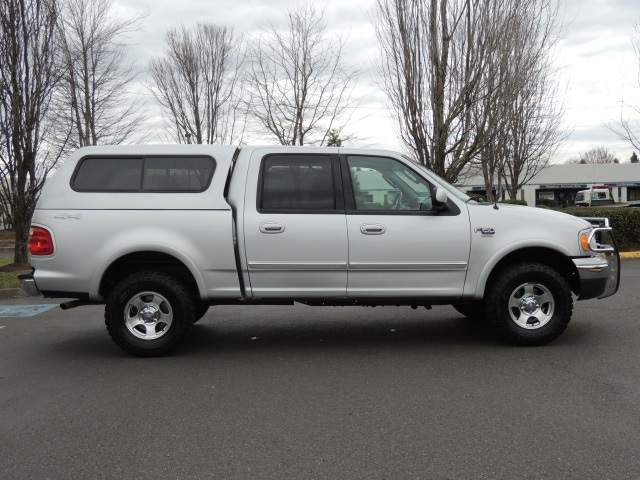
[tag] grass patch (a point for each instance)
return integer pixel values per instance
(9, 273)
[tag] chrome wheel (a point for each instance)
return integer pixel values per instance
(531, 305)
(148, 315)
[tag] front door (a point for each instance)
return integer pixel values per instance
(399, 245)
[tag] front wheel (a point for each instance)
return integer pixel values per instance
(149, 313)
(529, 304)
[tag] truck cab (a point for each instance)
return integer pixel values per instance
(598, 195)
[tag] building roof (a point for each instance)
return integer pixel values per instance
(618, 174)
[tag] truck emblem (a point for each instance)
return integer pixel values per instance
(486, 232)
(68, 216)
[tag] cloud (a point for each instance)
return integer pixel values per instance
(596, 56)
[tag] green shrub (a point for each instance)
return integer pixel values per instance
(477, 195)
(543, 202)
(515, 201)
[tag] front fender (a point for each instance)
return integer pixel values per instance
(481, 269)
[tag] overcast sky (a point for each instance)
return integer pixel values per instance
(597, 62)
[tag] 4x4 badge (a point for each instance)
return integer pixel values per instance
(69, 216)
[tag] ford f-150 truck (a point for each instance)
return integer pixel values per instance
(161, 233)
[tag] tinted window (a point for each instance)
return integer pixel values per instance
(177, 174)
(152, 174)
(297, 182)
(109, 174)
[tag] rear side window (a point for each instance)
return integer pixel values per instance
(145, 174)
(297, 182)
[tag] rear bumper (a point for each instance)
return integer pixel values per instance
(28, 284)
(599, 275)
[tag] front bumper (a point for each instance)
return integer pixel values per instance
(599, 276)
(28, 283)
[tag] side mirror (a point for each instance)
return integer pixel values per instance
(440, 200)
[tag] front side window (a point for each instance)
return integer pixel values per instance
(297, 182)
(381, 183)
(146, 174)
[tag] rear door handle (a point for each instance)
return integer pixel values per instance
(372, 229)
(271, 227)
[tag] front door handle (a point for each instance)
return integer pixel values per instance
(271, 227)
(372, 229)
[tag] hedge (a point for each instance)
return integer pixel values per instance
(624, 220)
(514, 201)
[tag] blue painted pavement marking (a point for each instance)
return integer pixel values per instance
(24, 310)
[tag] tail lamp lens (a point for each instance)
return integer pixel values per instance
(40, 241)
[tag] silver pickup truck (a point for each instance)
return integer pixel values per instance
(161, 233)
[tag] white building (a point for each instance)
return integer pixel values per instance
(560, 183)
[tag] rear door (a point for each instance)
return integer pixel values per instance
(294, 226)
(399, 245)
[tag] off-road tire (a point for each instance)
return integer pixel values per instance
(510, 304)
(164, 293)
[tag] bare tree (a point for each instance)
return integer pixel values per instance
(534, 110)
(595, 155)
(301, 89)
(197, 84)
(453, 70)
(94, 103)
(434, 57)
(492, 109)
(626, 128)
(28, 75)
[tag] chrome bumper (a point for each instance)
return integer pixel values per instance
(28, 284)
(599, 275)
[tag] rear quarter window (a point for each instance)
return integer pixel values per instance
(143, 174)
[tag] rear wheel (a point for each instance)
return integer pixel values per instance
(529, 304)
(149, 313)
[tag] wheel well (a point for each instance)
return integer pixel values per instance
(546, 256)
(141, 261)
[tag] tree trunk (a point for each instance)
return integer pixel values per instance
(21, 226)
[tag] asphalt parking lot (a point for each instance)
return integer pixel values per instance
(322, 392)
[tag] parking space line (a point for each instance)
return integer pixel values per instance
(23, 310)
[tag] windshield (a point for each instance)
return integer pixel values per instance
(442, 182)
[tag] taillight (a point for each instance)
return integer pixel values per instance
(40, 241)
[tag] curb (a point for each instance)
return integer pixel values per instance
(625, 255)
(12, 293)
